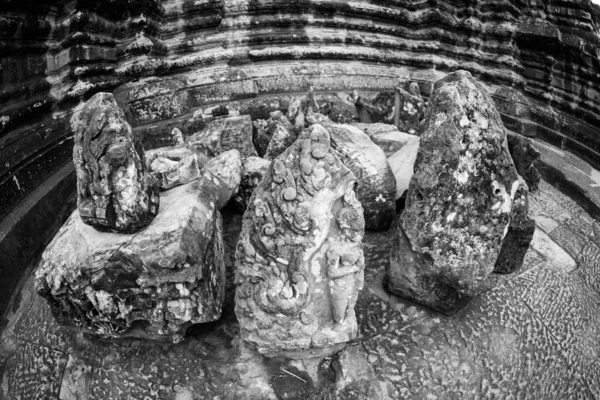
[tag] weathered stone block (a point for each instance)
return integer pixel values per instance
(525, 157)
(340, 108)
(380, 109)
(409, 109)
(387, 137)
(222, 134)
(402, 164)
(282, 136)
(299, 261)
(227, 168)
(114, 191)
(253, 171)
(460, 200)
(376, 182)
(519, 234)
(173, 166)
(154, 283)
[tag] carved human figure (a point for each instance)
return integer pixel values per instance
(345, 260)
(114, 190)
(304, 208)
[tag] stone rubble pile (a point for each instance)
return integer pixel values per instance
(309, 182)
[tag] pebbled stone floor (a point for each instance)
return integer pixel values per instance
(533, 336)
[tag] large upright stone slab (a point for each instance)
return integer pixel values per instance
(154, 283)
(460, 200)
(114, 190)
(299, 261)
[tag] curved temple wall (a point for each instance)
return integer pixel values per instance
(166, 59)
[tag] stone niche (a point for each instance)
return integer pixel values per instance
(299, 260)
(154, 283)
(463, 199)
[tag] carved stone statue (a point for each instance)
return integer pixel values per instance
(299, 261)
(114, 190)
(345, 265)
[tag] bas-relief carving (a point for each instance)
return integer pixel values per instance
(299, 258)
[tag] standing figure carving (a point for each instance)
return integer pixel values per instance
(114, 190)
(299, 261)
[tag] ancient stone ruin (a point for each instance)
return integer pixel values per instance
(299, 261)
(299, 200)
(462, 200)
(114, 190)
(154, 283)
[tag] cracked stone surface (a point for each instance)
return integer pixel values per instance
(466, 206)
(534, 336)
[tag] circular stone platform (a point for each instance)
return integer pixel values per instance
(535, 335)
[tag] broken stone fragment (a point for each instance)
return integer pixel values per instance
(253, 170)
(226, 168)
(340, 108)
(177, 137)
(519, 234)
(402, 164)
(317, 118)
(295, 113)
(380, 109)
(525, 156)
(376, 182)
(260, 136)
(411, 109)
(460, 199)
(114, 190)
(299, 260)
(265, 129)
(154, 283)
(387, 137)
(282, 137)
(311, 105)
(173, 166)
(224, 134)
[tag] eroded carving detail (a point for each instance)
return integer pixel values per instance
(299, 258)
(114, 191)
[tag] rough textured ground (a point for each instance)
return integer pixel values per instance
(535, 335)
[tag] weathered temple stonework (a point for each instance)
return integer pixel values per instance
(461, 201)
(299, 260)
(114, 190)
(376, 182)
(410, 108)
(154, 283)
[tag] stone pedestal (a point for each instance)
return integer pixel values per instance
(154, 283)
(299, 261)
